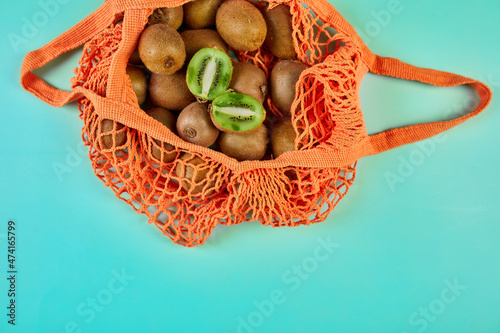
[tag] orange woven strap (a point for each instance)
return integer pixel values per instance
(71, 39)
(404, 135)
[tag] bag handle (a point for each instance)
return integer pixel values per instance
(397, 137)
(69, 40)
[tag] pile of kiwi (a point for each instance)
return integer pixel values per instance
(186, 75)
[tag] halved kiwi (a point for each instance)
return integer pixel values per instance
(245, 146)
(209, 73)
(194, 125)
(233, 112)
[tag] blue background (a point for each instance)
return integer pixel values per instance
(398, 246)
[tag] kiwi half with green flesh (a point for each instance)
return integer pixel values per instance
(161, 49)
(282, 136)
(194, 125)
(279, 38)
(167, 118)
(139, 82)
(241, 25)
(109, 141)
(195, 40)
(200, 14)
(193, 180)
(170, 16)
(170, 91)
(250, 80)
(209, 73)
(233, 112)
(282, 81)
(245, 146)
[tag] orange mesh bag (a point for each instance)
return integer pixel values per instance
(185, 189)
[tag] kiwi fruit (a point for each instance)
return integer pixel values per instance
(195, 40)
(250, 80)
(279, 38)
(245, 146)
(282, 136)
(139, 82)
(241, 25)
(167, 118)
(209, 73)
(170, 91)
(109, 141)
(282, 81)
(170, 16)
(233, 112)
(193, 180)
(161, 49)
(135, 59)
(200, 14)
(194, 125)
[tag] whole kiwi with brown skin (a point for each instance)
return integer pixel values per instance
(279, 38)
(139, 82)
(283, 79)
(245, 146)
(200, 14)
(250, 80)
(170, 91)
(170, 16)
(167, 118)
(135, 59)
(282, 137)
(194, 125)
(161, 49)
(109, 141)
(193, 180)
(195, 40)
(241, 25)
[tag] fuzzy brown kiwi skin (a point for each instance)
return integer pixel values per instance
(161, 49)
(170, 16)
(194, 180)
(170, 91)
(245, 146)
(195, 40)
(139, 83)
(250, 80)
(107, 141)
(279, 38)
(283, 137)
(194, 125)
(200, 14)
(282, 81)
(168, 119)
(241, 25)
(135, 59)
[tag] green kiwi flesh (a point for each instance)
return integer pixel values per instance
(279, 38)
(209, 73)
(167, 119)
(233, 112)
(170, 16)
(250, 80)
(245, 146)
(241, 25)
(194, 125)
(282, 81)
(139, 82)
(200, 14)
(170, 91)
(161, 49)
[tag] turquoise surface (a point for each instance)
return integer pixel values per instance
(413, 247)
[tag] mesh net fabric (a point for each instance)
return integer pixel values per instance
(186, 193)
